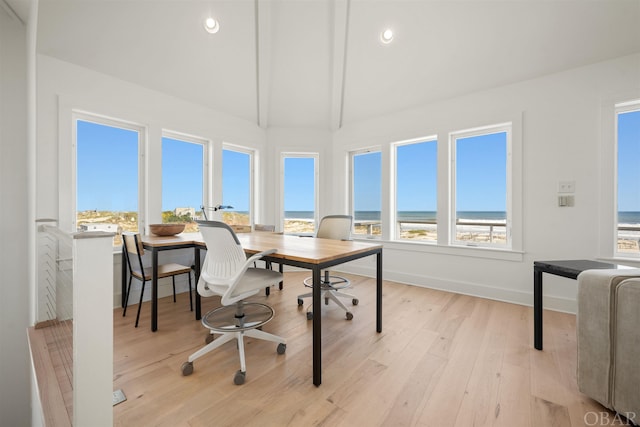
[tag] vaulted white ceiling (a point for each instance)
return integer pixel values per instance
(320, 63)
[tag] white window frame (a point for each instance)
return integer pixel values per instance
(468, 133)
(207, 171)
(351, 156)
(316, 183)
(77, 115)
(620, 108)
(395, 231)
(252, 174)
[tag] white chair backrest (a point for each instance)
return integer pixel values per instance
(225, 256)
(336, 227)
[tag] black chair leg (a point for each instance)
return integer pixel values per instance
(190, 297)
(126, 298)
(140, 303)
(173, 280)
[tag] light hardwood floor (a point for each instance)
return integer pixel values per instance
(442, 359)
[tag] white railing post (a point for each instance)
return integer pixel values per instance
(93, 329)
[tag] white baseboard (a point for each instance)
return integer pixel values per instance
(165, 289)
(565, 305)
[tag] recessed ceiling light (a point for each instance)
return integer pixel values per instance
(386, 36)
(211, 25)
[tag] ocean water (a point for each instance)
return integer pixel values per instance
(408, 215)
(628, 217)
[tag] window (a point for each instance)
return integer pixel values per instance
(108, 183)
(480, 186)
(366, 186)
(299, 192)
(183, 179)
(416, 164)
(628, 178)
(237, 186)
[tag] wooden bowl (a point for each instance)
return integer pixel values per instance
(166, 229)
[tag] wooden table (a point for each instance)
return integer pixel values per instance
(304, 252)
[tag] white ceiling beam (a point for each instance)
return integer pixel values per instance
(339, 63)
(263, 60)
(12, 13)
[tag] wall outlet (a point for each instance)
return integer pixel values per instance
(566, 187)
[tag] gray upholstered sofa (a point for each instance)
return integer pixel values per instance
(608, 329)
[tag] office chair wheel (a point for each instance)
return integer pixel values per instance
(355, 301)
(309, 315)
(267, 291)
(238, 378)
(326, 301)
(282, 347)
(349, 315)
(209, 339)
(187, 369)
(300, 302)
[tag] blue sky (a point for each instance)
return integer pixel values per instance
(182, 168)
(628, 158)
(299, 187)
(107, 168)
(416, 182)
(481, 163)
(107, 173)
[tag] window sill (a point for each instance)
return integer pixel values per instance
(465, 251)
(632, 262)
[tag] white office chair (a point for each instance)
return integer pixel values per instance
(336, 227)
(226, 272)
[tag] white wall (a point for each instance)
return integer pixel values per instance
(561, 141)
(14, 294)
(63, 87)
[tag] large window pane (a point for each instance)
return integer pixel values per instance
(366, 193)
(236, 187)
(628, 141)
(416, 191)
(481, 188)
(182, 181)
(107, 185)
(299, 194)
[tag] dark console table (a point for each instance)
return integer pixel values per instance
(566, 268)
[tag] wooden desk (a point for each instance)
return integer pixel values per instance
(304, 252)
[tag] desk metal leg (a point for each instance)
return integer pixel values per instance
(537, 309)
(379, 292)
(154, 291)
(196, 259)
(317, 329)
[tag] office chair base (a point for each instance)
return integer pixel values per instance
(186, 369)
(223, 319)
(238, 378)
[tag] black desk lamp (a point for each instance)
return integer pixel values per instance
(216, 208)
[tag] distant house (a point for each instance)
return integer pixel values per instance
(99, 227)
(191, 212)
